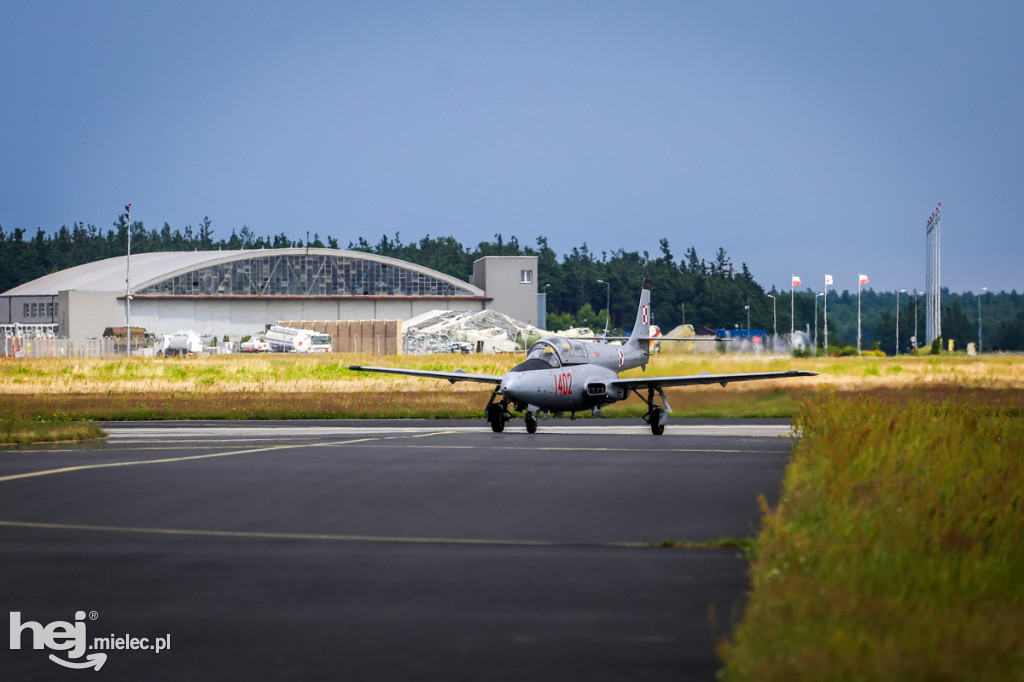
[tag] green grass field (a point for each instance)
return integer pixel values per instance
(894, 555)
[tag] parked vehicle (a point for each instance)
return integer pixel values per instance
(294, 340)
(182, 342)
(254, 345)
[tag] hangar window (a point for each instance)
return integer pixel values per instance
(314, 275)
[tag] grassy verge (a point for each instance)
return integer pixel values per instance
(403, 402)
(898, 554)
(195, 405)
(17, 429)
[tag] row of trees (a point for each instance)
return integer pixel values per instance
(705, 293)
(715, 294)
(1001, 318)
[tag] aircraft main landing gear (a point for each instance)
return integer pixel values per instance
(497, 413)
(657, 421)
(657, 414)
(496, 417)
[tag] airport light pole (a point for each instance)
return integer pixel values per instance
(775, 322)
(794, 283)
(916, 340)
(128, 284)
(543, 324)
(903, 291)
(607, 305)
(747, 308)
(983, 290)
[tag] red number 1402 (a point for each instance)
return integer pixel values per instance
(563, 384)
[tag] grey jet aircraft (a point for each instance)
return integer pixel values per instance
(568, 375)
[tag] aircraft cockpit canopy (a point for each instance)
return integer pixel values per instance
(554, 352)
(570, 351)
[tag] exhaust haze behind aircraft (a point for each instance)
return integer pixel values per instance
(569, 375)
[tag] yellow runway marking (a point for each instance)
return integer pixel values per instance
(323, 537)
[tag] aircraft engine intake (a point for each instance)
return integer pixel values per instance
(596, 390)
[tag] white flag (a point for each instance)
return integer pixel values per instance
(828, 280)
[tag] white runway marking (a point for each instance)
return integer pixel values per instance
(333, 537)
(147, 462)
(125, 434)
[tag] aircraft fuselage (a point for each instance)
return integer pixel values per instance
(566, 375)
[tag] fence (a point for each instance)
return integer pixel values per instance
(26, 347)
(378, 337)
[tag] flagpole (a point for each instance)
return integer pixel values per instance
(858, 314)
(794, 282)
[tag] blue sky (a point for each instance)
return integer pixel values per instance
(802, 137)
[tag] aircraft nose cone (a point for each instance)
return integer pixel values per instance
(511, 385)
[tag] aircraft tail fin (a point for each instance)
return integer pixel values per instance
(642, 326)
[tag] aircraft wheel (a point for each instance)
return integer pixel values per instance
(531, 423)
(657, 421)
(496, 416)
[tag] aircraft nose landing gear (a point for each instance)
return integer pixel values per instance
(531, 422)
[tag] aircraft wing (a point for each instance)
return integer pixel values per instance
(705, 378)
(457, 375)
(648, 338)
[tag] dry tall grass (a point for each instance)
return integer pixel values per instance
(327, 374)
(302, 386)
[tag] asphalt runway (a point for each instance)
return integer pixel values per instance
(404, 550)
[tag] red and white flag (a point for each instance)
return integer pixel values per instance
(796, 280)
(864, 279)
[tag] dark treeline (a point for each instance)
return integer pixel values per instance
(705, 293)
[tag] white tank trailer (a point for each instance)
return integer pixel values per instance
(181, 342)
(254, 345)
(293, 340)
